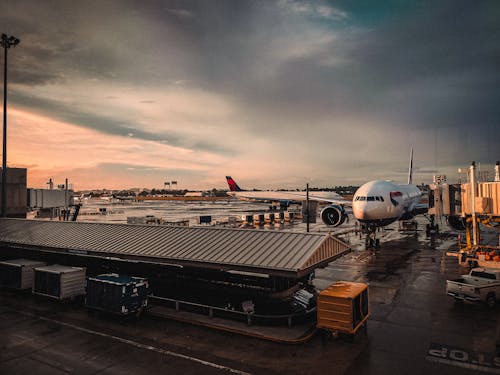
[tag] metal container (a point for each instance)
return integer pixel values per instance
(18, 273)
(343, 307)
(16, 192)
(59, 282)
(269, 217)
(247, 219)
(117, 294)
(206, 219)
(258, 219)
(279, 216)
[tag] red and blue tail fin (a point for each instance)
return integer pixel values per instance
(233, 186)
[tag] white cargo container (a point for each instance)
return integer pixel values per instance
(18, 273)
(59, 282)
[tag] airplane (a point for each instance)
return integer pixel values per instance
(381, 202)
(332, 215)
(375, 204)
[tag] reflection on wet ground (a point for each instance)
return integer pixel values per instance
(414, 327)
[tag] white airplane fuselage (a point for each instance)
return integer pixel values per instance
(379, 203)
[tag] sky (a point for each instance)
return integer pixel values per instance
(120, 94)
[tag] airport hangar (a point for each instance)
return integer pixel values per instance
(244, 261)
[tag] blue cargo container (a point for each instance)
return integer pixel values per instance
(117, 294)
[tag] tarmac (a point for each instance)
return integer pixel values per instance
(414, 327)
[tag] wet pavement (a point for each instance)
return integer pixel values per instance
(414, 328)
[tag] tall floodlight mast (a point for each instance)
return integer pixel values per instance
(6, 42)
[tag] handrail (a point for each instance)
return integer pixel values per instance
(249, 316)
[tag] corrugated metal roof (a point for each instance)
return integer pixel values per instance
(220, 248)
(57, 268)
(23, 263)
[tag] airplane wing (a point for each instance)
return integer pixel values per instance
(289, 196)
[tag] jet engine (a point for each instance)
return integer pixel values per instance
(333, 215)
(456, 222)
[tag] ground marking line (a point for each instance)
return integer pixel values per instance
(470, 366)
(139, 345)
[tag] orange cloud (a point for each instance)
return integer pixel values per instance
(49, 147)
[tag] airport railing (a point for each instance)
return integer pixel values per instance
(248, 317)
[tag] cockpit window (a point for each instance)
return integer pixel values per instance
(370, 198)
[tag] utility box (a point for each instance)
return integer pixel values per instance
(16, 192)
(313, 211)
(248, 219)
(258, 219)
(206, 219)
(59, 282)
(18, 273)
(117, 294)
(269, 218)
(343, 307)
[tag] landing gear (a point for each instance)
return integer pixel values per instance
(371, 240)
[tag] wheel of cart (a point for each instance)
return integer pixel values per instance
(343, 310)
(491, 300)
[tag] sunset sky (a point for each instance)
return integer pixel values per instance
(120, 94)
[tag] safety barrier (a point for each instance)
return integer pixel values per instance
(249, 317)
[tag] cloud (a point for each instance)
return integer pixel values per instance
(60, 146)
(179, 115)
(314, 9)
(334, 91)
(183, 13)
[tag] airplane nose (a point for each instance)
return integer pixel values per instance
(364, 210)
(358, 210)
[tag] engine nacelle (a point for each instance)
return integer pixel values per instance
(333, 215)
(456, 222)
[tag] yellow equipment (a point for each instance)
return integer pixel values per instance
(343, 307)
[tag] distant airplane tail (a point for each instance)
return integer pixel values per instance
(233, 186)
(410, 168)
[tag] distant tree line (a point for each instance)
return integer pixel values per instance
(153, 191)
(130, 193)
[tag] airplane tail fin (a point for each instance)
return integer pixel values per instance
(410, 168)
(233, 186)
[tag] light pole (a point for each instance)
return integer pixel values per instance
(6, 42)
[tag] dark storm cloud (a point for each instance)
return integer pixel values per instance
(93, 39)
(291, 70)
(435, 65)
(432, 63)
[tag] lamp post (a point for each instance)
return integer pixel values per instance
(6, 42)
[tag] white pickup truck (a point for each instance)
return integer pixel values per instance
(480, 285)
